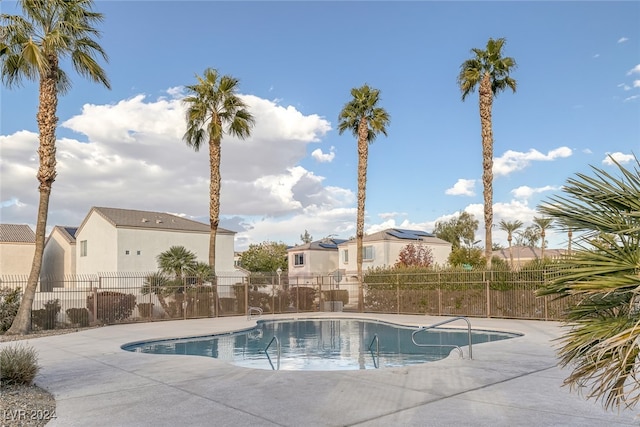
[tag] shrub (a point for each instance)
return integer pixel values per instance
(145, 309)
(9, 303)
(18, 364)
(45, 318)
(336, 295)
(111, 306)
(78, 316)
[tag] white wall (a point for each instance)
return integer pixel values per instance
(59, 259)
(316, 263)
(102, 247)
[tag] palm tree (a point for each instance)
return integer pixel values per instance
(32, 48)
(365, 120)
(601, 276)
(510, 227)
(489, 70)
(215, 109)
(178, 260)
(542, 224)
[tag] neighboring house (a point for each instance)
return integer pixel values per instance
(524, 254)
(309, 260)
(112, 240)
(59, 258)
(382, 249)
(17, 246)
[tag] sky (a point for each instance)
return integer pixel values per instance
(577, 103)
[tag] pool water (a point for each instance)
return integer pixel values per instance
(322, 345)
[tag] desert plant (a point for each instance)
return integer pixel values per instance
(78, 316)
(45, 318)
(18, 364)
(145, 309)
(112, 306)
(9, 303)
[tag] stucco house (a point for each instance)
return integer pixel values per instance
(59, 258)
(525, 254)
(382, 249)
(17, 246)
(309, 260)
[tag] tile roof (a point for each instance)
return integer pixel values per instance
(527, 252)
(17, 233)
(327, 244)
(152, 220)
(69, 233)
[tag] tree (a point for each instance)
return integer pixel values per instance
(306, 237)
(414, 255)
(457, 230)
(366, 120)
(214, 109)
(265, 257)
(177, 260)
(602, 278)
(32, 48)
(510, 227)
(489, 71)
(542, 224)
(530, 236)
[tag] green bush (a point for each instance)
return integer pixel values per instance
(112, 306)
(18, 364)
(78, 316)
(45, 318)
(9, 303)
(336, 295)
(304, 297)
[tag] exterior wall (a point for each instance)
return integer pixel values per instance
(101, 238)
(16, 258)
(316, 262)
(58, 262)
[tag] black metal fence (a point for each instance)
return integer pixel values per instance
(123, 298)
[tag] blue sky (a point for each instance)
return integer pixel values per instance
(578, 100)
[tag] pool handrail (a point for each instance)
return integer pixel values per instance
(257, 310)
(275, 338)
(376, 357)
(444, 322)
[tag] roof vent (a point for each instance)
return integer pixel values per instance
(145, 220)
(158, 221)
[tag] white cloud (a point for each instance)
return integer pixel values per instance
(463, 187)
(622, 39)
(512, 161)
(619, 157)
(133, 156)
(525, 192)
(587, 151)
(322, 157)
(597, 55)
(636, 83)
(388, 215)
(624, 86)
(634, 70)
(631, 98)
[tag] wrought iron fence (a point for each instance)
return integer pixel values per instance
(123, 298)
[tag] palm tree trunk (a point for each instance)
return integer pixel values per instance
(542, 235)
(363, 155)
(47, 122)
(486, 101)
(509, 238)
(570, 235)
(214, 202)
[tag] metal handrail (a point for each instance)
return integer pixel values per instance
(376, 357)
(278, 352)
(257, 310)
(435, 325)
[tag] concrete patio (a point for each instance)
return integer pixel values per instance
(512, 382)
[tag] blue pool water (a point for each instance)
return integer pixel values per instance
(322, 344)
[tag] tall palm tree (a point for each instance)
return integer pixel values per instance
(510, 227)
(177, 260)
(489, 70)
(365, 119)
(215, 109)
(542, 224)
(32, 48)
(601, 276)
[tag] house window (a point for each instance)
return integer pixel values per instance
(345, 256)
(298, 259)
(367, 253)
(138, 253)
(126, 252)
(83, 248)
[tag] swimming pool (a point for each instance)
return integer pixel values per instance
(322, 344)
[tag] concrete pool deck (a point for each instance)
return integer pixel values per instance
(512, 382)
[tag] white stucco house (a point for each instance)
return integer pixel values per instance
(382, 249)
(112, 240)
(59, 257)
(309, 260)
(17, 246)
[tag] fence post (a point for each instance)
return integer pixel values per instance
(95, 304)
(246, 294)
(487, 291)
(546, 313)
(397, 293)
(321, 302)
(439, 295)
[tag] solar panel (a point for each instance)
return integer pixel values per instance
(408, 234)
(328, 245)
